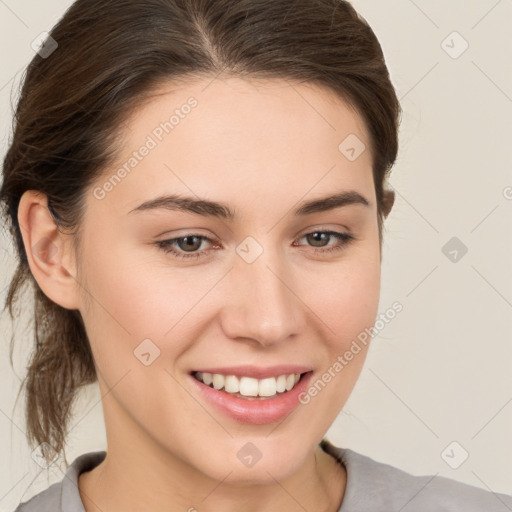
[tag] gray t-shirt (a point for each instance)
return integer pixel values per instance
(371, 487)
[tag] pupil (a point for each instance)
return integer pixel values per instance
(317, 237)
(190, 245)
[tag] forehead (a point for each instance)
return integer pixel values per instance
(222, 138)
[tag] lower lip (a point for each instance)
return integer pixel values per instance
(256, 412)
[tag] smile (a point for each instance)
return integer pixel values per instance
(250, 394)
(249, 387)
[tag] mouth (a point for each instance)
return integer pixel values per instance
(252, 395)
(250, 388)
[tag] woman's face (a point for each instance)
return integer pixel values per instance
(256, 288)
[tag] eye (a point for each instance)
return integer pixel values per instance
(188, 246)
(319, 237)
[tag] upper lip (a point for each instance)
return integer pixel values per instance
(257, 372)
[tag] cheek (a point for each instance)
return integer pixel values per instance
(347, 303)
(345, 296)
(133, 304)
(135, 293)
(136, 296)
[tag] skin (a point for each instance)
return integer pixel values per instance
(262, 148)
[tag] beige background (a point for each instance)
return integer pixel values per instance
(441, 370)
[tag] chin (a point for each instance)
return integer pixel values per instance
(253, 461)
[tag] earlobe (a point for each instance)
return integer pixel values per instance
(49, 251)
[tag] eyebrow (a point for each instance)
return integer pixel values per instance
(214, 209)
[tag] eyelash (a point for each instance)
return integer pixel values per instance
(166, 245)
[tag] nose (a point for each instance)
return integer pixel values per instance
(263, 305)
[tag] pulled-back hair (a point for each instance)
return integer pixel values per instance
(110, 55)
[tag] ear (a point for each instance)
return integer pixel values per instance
(49, 251)
(388, 200)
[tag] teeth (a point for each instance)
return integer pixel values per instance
(218, 381)
(267, 387)
(231, 384)
(290, 382)
(249, 386)
(281, 383)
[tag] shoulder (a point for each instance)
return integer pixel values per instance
(64, 496)
(49, 499)
(373, 485)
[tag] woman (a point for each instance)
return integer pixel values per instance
(197, 192)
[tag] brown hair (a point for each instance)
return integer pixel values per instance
(109, 56)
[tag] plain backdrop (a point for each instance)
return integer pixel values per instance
(437, 384)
